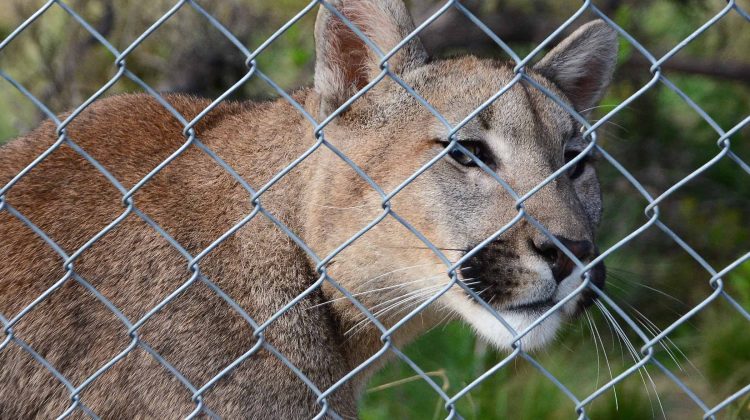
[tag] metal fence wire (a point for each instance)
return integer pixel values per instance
(648, 345)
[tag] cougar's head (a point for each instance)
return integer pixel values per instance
(457, 204)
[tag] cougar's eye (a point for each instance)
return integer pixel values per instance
(576, 170)
(476, 148)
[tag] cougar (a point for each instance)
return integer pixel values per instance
(153, 250)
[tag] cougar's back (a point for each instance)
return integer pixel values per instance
(135, 269)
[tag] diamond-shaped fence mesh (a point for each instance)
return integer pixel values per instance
(652, 340)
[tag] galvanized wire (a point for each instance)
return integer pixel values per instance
(649, 342)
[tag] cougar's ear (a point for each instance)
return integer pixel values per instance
(582, 64)
(344, 63)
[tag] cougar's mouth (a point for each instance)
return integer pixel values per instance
(522, 288)
(515, 283)
(536, 306)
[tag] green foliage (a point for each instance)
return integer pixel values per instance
(454, 358)
(727, 351)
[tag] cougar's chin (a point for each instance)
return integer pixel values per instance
(522, 315)
(519, 318)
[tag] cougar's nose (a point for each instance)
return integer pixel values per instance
(560, 264)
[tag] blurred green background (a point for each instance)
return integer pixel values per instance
(658, 138)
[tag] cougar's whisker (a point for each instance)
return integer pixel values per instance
(639, 284)
(596, 347)
(479, 294)
(650, 328)
(628, 345)
(375, 290)
(653, 329)
(591, 108)
(606, 360)
(635, 355)
(613, 124)
(413, 292)
(424, 247)
(397, 301)
(361, 206)
(613, 336)
(395, 271)
(661, 343)
(656, 331)
(411, 305)
(449, 312)
(401, 300)
(405, 295)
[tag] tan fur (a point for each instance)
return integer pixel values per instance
(386, 133)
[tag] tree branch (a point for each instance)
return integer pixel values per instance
(453, 31)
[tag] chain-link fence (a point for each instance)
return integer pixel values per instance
(644, 355)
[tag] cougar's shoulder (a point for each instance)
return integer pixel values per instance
(128, 134)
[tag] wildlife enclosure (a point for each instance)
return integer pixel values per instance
(668, 336)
